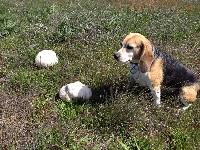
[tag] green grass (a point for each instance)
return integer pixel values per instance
(85, 34)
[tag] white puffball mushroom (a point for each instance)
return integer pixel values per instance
(46, 58)
(64, 94)
(75, 90)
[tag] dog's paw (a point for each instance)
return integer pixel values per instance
(185, 107)
(158, 105)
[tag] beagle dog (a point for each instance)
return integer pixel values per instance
(155, 69)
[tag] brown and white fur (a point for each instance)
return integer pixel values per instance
(156, 69)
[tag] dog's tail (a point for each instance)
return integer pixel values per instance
(197, 86)
(189, 93)
(198, 89)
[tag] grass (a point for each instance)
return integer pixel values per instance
(85, 34)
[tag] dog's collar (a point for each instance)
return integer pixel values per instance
(134, 67)
(131, 62)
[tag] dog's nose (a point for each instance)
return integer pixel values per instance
(116, 56)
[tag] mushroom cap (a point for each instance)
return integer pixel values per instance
(75, 90)
(46, 58)
(63, 93)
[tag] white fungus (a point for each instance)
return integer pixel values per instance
(46, 58)
(75, 90)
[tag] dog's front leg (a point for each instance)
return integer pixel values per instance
(156, 92)
(185, 103)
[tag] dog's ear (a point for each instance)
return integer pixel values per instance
(146, 57)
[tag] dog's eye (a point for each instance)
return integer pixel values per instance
(129, 47)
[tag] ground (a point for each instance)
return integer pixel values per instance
(85, 34)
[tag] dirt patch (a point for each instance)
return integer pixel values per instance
(18, 129)
(154, 4)
(15, 131)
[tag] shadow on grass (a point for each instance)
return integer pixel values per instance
(108, 91)
(125, 108)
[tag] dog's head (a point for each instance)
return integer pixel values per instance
(136, 48)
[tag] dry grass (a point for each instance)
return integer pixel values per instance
(15, 131)
(159, 4)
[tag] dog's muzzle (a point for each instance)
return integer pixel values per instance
(116, 56)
